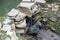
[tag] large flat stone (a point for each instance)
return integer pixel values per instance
(25, 11)
(40, 1)
(13, 12)
(49, 35)
(27, 5)
(20, 16)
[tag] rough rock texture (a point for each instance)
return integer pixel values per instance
(34, 19)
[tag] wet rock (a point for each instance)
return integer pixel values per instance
(53, 18)
(30, 22)
(53, 28)
(34, 29)
(39, 23)
(49, 35)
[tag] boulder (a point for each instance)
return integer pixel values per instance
(33, 7)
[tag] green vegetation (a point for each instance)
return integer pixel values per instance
(3, 35)
(2, 19)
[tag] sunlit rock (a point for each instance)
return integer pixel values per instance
(36, 8)
(21, 24)
(20, 16)
(54, 7)
(29, 8)
(13, 13)
(7, 38)
(14, 37)
(40, 1)
(7, 21)
(6, 27)
(26, 5)
(9, 33)
(27, 0)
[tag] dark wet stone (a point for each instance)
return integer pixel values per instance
(39, 24)
(30, 22)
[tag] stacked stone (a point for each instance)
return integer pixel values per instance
(15, 21)
(16, 17)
